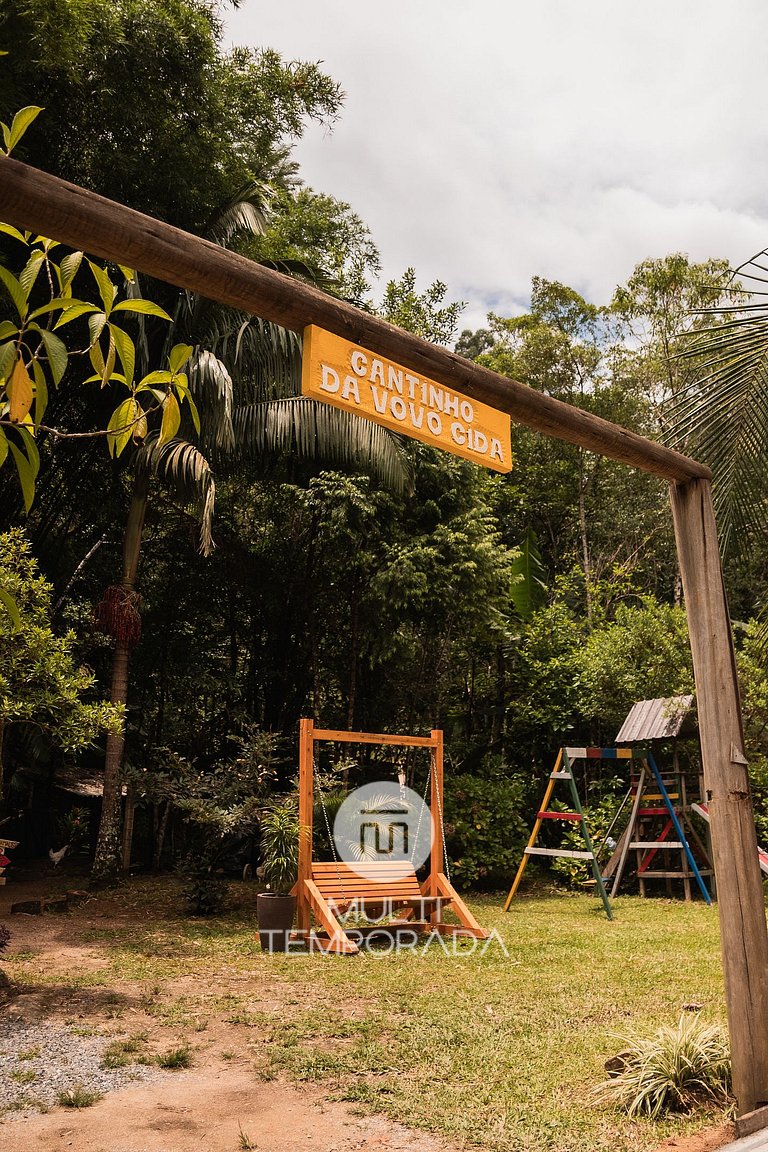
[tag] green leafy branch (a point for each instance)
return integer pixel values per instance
(34, 357)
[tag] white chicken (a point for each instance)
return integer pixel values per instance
(57, 857)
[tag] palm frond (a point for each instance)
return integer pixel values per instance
(245, 214)
(263, 359)
(211, 385)
(720, 416)
(319, 433)
(183, 468)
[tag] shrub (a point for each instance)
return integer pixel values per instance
(486, 828)
(204, 891)
(671, 1071)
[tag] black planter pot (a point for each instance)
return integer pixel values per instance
(275, 914)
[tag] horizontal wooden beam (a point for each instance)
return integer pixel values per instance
(344, 737)
(34, 200)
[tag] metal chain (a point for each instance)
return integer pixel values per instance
(331, 840)
(421, 812)
(442, 835)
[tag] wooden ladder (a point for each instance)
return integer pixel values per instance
(563, 771)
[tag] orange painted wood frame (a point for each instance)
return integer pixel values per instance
(436, 887)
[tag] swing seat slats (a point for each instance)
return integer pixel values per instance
(386, 882)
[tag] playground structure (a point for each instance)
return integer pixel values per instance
(563, 771)
(328, 890)
(659, 831)
(36, 201)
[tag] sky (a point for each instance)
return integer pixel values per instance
(485, 142)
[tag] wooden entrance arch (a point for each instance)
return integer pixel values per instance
(34, 200)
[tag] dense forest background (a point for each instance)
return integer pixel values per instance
(369, 583)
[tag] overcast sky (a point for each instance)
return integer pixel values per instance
(488, 141)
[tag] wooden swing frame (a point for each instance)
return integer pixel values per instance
(35, 200)
(325, 890)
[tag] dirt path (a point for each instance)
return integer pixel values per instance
(222, 1103)
(220, 1109)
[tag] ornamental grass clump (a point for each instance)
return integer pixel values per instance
(671, 1071)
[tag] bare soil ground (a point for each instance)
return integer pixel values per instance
(219, 1104)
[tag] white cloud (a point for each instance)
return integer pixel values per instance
(488, 142)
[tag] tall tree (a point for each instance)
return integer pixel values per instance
(41, 683)
(145, 106)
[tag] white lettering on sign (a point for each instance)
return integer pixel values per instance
(359, 381)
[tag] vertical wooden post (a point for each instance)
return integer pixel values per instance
(436, 862)
(306, 764)
(744, 940)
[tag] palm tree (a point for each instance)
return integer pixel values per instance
(243, 374)
(721, 413)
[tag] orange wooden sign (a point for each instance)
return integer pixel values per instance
(355, 380)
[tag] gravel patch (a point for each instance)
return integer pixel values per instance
(40, 1061)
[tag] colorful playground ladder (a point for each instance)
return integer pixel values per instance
(657, 806)
(563, 771)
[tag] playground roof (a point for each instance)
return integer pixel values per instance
(660, 719)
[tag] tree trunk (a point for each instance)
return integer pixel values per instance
(107, 862)
(584, 538)
(2, 760)
(160, 837)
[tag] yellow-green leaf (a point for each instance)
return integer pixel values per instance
(109, 363)
(140, 429)
(96, 325)
(41, 392)
(31, 449)
(107, 290)
(171, 419)
(26, 475)
(29, 272)
(75, 309)
(8, 354)
(121, 425)
(20, 392)
(160, 377)
(128, 273)
(11, 231)
(194, 413)
(69, 267)
(21, 122)
(126, 350)
(179, 355)
(3, 447)
(97, 360)
(56, 351)
(15, 291)
(142, 307)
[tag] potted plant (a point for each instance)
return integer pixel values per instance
(275, 908)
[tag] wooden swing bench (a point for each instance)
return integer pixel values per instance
(328, 891)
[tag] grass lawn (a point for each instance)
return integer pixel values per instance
(500, 1050)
